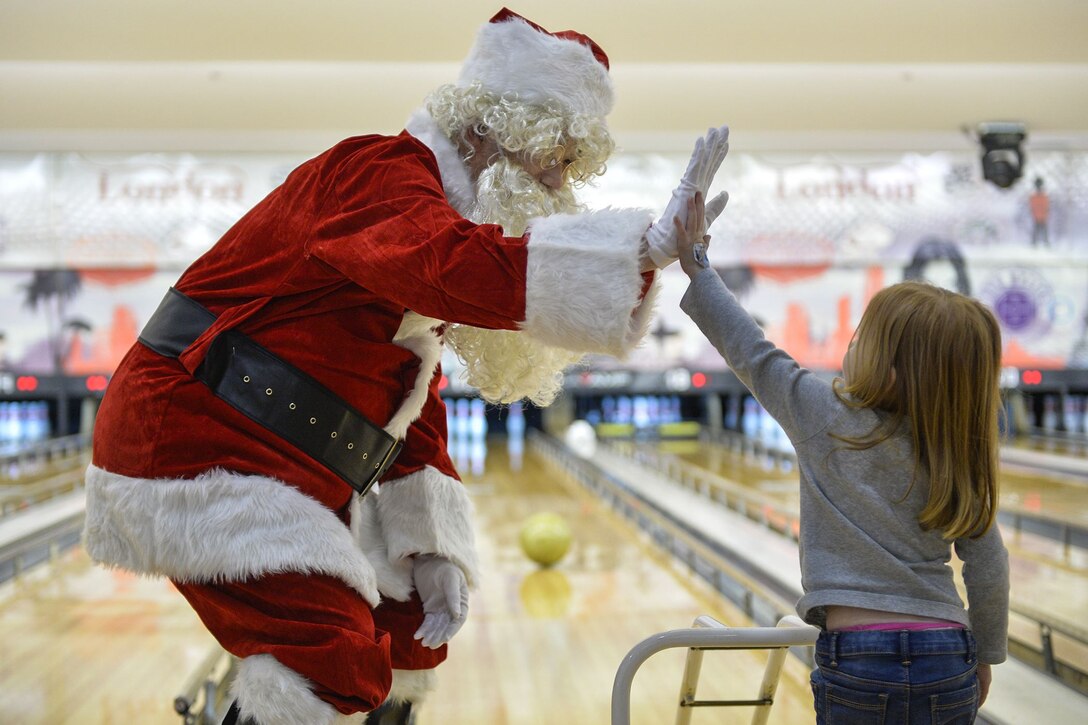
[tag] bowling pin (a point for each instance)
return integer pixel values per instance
(477, 425)
(608, 409)
(732, 406)
(640, 414)
(515, 435)
(4, 406)
(1050, 414)
(749, 418)
(624, 412)
(1069, 413)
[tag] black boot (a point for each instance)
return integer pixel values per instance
(391, 713)
(233, 715)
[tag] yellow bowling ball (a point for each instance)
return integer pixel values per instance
(545, 538)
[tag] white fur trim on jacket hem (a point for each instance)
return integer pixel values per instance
(426, 512)
(219, 526)
(272, 694)
(583, 281)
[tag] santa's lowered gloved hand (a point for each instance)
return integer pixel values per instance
(709, 153)
(444, 590)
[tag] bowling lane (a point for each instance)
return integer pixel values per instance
(542, 646)
(1039, 492)
(761, 473)
(1033, 491)
(80, 644)
(1075, 446)
(87, 645)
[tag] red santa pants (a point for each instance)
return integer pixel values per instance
(319, 627)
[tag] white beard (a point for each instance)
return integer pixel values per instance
(506, 194)
(505, 365)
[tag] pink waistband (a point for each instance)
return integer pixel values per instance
(882, 626)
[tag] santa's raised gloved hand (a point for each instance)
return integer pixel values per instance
(444, 590)
(708, 155)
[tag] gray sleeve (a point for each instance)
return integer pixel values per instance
(986, 577)
(801, 402)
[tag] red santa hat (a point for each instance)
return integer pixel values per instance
(513, 54)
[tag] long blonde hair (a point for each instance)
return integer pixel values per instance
(933, 357)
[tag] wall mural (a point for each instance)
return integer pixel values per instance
(89, 243)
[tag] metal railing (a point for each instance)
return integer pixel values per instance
(202, 697)
(40, 545)
(1068, 533)
(708, 634)
(751, 504)
(1062, 648)
(34, 456)
(18, 497)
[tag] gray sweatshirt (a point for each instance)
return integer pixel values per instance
(861, 544)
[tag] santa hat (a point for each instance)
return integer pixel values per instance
(513, 54)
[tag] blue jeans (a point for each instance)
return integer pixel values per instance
(896, 677)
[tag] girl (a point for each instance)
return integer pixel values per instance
(898, 464)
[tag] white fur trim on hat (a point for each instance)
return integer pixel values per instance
(219, 526)
(583, 282)
(513, 57)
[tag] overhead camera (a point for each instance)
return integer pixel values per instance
(1002, 157)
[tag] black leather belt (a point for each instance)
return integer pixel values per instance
(275, 394)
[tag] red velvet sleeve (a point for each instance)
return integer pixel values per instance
(385, 223)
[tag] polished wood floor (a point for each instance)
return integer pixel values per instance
(79, 644)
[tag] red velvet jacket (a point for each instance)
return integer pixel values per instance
(347, 271)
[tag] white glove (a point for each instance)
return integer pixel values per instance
(444, 590)
(708, 155)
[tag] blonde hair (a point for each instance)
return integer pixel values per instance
(932, 357)
(540, 131)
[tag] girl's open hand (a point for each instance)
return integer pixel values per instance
(692, 240)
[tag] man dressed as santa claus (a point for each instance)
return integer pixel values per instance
(295, 366)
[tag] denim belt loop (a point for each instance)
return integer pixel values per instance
(904, 646)
(833, 647)
(972, 646)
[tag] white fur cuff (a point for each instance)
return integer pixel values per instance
(272, 694)
(583, 281)
(412, 685)
(428, 512)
